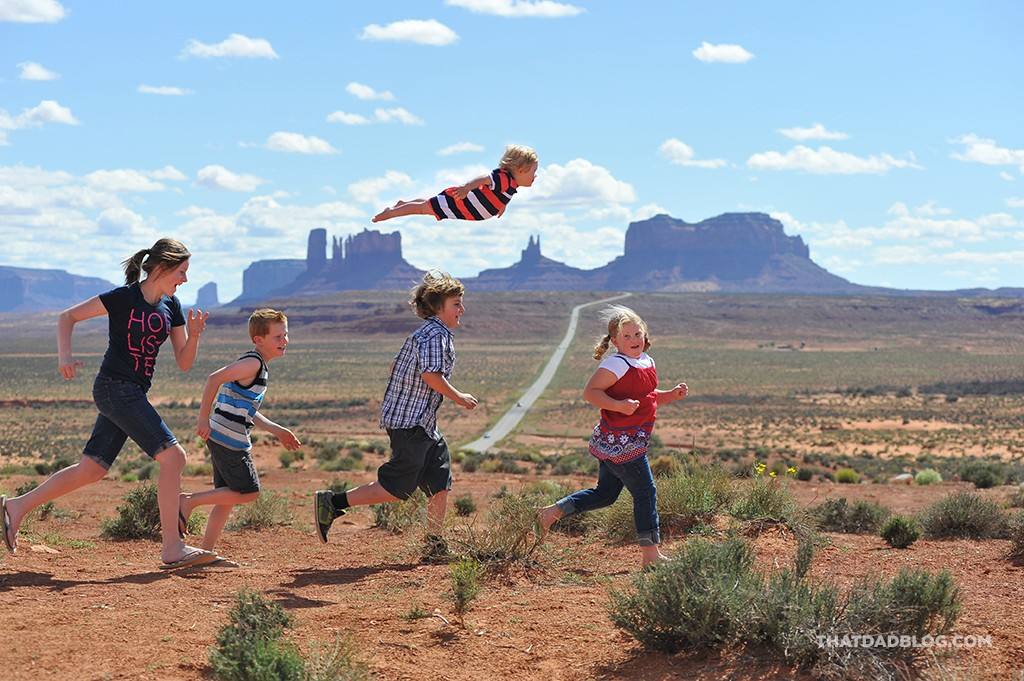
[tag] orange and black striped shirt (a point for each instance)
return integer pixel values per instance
(482, 203)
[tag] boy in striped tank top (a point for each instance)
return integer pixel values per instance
(479, 199)
(229, 411)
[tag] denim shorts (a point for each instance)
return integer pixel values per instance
(233, 469)
(125, 412)
(417, 460)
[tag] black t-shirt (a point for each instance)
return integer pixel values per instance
(137, 330)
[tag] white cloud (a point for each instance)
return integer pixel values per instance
(32, 11)
(47, 111)
(347, 118)
(124, 180)
(1006, 176)
(680, 153)
(370, 189)
(460, 148)
(219, 177)
(299, 144)
(167, 173)
(723, 53)
(235, 45)
(578, 181)
(1014, 202)
(815, 132)
(931, 209)
(997, 220)
(30, 70)
(422, 32)
(397, 114)
(166, 90)
(3, 139)
(121, 221)
(825, 160)
(366, 92)
(518, 8)
(980, 150)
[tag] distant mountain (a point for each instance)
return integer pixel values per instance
(24, 289)
(732, 252)
(206, 298)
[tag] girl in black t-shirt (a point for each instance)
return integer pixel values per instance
(142, 315)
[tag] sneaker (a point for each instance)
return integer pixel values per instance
(323, 512)
(435, 549)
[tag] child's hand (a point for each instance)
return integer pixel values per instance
(197, 321)
(462, 191)
(465, 400)
(680, 392)
(203, 427)
(627, 407)
(288, 439)
(68, 367)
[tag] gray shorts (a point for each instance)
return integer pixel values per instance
(233, 469)
(417, 460)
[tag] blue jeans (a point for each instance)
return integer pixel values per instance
(125, 412)
(635, 476)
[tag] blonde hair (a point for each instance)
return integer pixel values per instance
(615, 316)
(260, 321)
(164, 254)
(428, 297)
(517, 156)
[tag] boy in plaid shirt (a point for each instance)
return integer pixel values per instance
(416, 388)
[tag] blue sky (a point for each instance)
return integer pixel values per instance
(887, 135)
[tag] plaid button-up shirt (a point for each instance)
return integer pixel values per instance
(408, 400)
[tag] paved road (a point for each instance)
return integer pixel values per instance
(507, 423)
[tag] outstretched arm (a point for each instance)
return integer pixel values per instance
(185, 338)
(286, 436)
(669, 396)
(66, 364)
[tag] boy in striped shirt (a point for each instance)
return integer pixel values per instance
(228, 413)
(479, 199)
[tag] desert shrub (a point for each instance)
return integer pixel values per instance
(570, 464)
(684, 500)
(900, 531)
(287, 457)
(1017, 500)
(339, 485)
(137, 518)
(710, 597)
(766, 498)
(269, 510)
(963, 515)
(337, 661)
(398, 516)
(837, 515)
(51, 467)
(341, 463)
(1016, 532)
(465, 575)
(464, 505)
(928, 476)
(250, 646)
(847, 476)
(506, 535)
(804, 474)
(983, 474)
(665, 466)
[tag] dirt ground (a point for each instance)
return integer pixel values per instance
(102, 610)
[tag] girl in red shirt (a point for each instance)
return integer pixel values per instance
(625, 389)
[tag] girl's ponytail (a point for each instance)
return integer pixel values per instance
(602, 347)
(133, 267)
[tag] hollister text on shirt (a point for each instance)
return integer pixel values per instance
(136, 330)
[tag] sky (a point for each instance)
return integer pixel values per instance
(887, 135)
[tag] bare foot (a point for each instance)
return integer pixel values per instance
(546, 517)
(381, 216)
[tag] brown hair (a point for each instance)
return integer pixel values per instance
(428, 297)
(260, 321)
(165, 254)
(517, 156)
(615, 316)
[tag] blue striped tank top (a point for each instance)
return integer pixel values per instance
(234, 408)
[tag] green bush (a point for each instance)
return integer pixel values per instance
(709, 596)
(335, 662)
(1017, 500)
(465, 576)
(665, 466)
(928, 476)
(983, 474)
(1017, 535)
(339, 485)
(287, 457)
(137, 518)
(847, 476)
(804, 474)
(269, 510)
(398, 516)
(250, 648)
(964, 515)
(464, 505)
(837, 515)
(766, 498)
(506, 535)
(900, 531)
